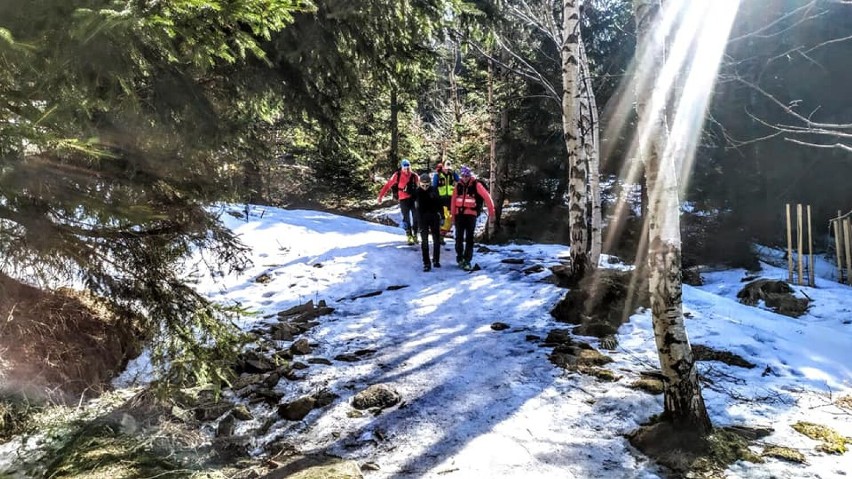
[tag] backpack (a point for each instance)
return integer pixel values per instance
(480, 201)
(409, 188)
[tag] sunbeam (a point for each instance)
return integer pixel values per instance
(691, 35)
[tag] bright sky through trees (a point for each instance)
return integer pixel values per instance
(691, 36)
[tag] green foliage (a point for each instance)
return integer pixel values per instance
(117, 123)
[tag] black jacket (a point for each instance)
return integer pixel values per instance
(428, 203)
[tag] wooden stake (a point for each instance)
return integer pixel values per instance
(838, 241)
(789, 247)
(811, 275)
(800, 239)
(847, 236)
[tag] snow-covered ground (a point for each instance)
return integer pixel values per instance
(479, 403)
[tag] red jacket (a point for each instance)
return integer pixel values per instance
(402, 181)
(465, 203)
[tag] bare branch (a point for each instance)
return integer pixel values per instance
(839, 146)
(759, 32)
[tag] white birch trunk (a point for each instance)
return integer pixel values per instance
(591, 147)
(569, 52)
(684, 404)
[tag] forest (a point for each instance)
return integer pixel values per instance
(139, 138)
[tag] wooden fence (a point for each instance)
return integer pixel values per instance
(842, 229)
(799, 242)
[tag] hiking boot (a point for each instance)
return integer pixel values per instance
(466, 266)
(410, 239)
(459, 260)
(436, 264)
(427, 268)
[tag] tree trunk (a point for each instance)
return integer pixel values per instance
(394, 129)
(684, 404)
(591, 145)
(570, 128)
(492, 150)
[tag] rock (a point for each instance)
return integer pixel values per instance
(324, 398)
(263, 279)
(777, 295)
(512, 261)
(532, 338)
(284, 332)
(378, 395)
(208, 412)
(298, 409)
(396, 287)
(365, 352)
(299, 366)
(309, 306)
(319, 361)
(231, 448)
(498, 326)
(558, 336)
(692, 277)
(246, 380)
(253, 362)
(347, 358)
(226, 426)
(301, 347)
(242, 413)
(534, 269)
(274, 377)
(268, 396)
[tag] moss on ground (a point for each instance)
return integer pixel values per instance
(686, 453)
(784, 453)
(832, 442)
(601, 373)
(649, 385)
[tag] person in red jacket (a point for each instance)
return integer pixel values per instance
(468, 197)
(404, 184)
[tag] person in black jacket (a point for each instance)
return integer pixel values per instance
(429, 215)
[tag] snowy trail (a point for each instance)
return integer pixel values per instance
(483, 403)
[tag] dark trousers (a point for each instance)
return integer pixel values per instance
(430, 226)
(465, 224)
(409, 216)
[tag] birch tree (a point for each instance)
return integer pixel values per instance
(577, 170)
(683, 402)
(590, 140)
(581, 155)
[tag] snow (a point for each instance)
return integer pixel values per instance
(482, 403)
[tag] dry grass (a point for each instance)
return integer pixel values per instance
(61, 341)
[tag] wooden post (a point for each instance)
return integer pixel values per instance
(789, 247)
(847, 236)
(811, 275)
(800, 239)
(838, 242)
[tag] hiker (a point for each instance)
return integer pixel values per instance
(444, 180)
(403, 184)
(467, 199)
(429, 219)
